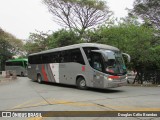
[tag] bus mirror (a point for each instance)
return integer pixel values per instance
(128, 56)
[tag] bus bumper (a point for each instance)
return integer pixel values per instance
(117, 83)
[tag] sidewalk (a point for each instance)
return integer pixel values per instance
(5, 80)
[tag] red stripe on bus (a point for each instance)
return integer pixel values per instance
(114, 77)
(44, 73)
(83, 68)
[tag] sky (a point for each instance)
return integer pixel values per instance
(22, 17)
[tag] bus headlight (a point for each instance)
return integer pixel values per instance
(110, 79)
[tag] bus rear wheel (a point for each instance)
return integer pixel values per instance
(39, 78)
(81, 83)
(22, 74)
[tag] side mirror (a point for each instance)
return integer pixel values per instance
(128, 56)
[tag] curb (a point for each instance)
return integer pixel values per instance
(143, 85)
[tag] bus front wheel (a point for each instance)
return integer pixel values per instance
(39, 78)
(81, 83)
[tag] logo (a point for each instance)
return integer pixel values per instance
(6, 114)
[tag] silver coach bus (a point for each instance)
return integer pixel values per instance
(84, 65)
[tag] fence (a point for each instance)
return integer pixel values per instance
(150, 76)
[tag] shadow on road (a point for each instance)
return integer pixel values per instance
(109, 90)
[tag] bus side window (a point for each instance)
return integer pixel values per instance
(17, 63)
(8, 63)
(37, 59)
(64, 56)
(55, 57)
(88, 52)
(76, 56)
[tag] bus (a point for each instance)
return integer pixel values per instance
(84, 65)
(18, 65)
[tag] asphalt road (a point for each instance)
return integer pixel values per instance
(25, 95)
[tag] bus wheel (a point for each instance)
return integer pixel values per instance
(22, 74)
(81, 83)
(39, 78)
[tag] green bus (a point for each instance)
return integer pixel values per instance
(19, 65)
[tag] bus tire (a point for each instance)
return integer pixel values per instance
(22, 74)
(81, 83)
(39, 78)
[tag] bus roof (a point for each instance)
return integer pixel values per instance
(101, 46)
(17, 59)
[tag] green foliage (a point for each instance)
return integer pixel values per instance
(62, 38)
(140, 41)
(137, 40)
(37, 42)
(42, 41)
(9, 46)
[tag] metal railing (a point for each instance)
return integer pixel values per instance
(146, 76)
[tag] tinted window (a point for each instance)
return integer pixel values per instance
(37, 59)
(8, 63)
(76, 56)
(18, 63)
(73, 55)
(15, 63)
(88, 52)
(65, 56)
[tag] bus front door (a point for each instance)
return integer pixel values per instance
(98, 67)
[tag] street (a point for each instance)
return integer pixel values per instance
(24, 95)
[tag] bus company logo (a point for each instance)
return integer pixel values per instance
(20, 114)
(6, 114)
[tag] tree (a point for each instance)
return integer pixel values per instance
(78, 14)
(43, 41)
(148, 10)
(63, 38)
(9, 46)
(135, 39)
(4, 53)
(37, 42)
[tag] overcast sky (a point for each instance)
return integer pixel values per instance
(20, 17)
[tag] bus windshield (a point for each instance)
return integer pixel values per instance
(114, 63)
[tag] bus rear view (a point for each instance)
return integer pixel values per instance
(84, 65)
(18, 65)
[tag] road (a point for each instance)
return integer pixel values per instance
(24, 95)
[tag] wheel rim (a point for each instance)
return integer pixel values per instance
(83, 83)
(39, 79)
